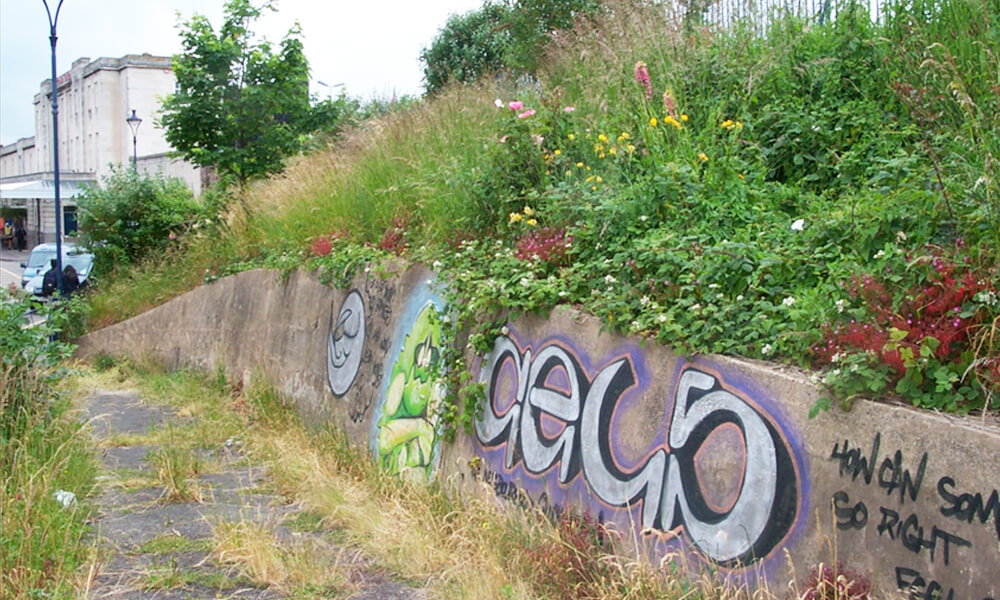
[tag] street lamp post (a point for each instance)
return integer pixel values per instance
(133, 123)
(330, 88)
(54, 91)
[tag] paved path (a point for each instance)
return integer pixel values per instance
(154, 549)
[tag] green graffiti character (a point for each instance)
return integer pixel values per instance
(406, 430)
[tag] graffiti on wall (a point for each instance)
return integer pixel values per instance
(553, 418)
(357, 332)
(346, 344)
(406, 440)
(896, 520)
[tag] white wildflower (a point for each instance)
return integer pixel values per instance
(696, 307)
(788, 301)
(739, 298)
(879, 254)
(766, 349)
(609, 279)
(662, 318)
(436, 265)
(900, 236)
(562, 293)
(713, 286)
(525, 282)
(644, 300)
(65, 498)
(643, 218)
(498, 103)
(504, 330)
(840, 304)
(798, 225)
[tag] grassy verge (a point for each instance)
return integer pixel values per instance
(46, 465)
(455, 542)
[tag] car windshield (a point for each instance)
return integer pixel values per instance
(40, 258)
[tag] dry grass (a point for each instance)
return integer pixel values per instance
(255, 550)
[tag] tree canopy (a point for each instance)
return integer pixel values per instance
(240, 105)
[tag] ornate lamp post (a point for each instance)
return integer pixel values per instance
(54, 91)
(133, 123)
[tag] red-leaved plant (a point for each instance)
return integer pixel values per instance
(546, 244)
(937, 307)
(835, 583)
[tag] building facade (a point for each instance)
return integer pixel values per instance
(95, 97)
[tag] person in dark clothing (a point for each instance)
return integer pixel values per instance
(21, 234)
(70, 280)
(49, 280)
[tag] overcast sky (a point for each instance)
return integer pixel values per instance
(371, 46)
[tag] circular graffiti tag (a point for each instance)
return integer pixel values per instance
(346, 344)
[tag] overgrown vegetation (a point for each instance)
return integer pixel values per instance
(714, 190)
(46, 468)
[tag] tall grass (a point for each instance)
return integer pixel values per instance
(43, 452)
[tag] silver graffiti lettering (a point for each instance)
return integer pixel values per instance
(666, 484)
(346, 343)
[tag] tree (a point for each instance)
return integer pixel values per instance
(468, 46)
(240, 107)
(132, 215)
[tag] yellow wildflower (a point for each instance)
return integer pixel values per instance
(702, 157)
(630, 148)
(579, 165)
(652, 122)
(599, 180)
(589, 179)
(568, 172)
(727, 124)
(531, 222)
(601, 155)
(528, 211)
(571, 137)
(602, 138)
(672, 121)
(593, 188)
(557, 152)
(598, 147)
(740, 175)
(515, 217)
(684, 118)
(624, 136)
(613, 150)
(588, 167)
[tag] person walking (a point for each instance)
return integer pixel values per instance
(21, 234)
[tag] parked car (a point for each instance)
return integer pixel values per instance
(39, 263)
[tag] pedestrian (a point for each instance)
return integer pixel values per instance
(49, 280)
(22, 236)
(70, 281)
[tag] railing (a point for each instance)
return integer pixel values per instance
(758, 14)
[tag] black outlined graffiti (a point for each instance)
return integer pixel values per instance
(346, 343)
(666, 485)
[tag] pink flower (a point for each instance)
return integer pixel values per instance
(569, 109)
(642, 76)
(515, 105)
(526, 114)
(503, 140)
(669, 104)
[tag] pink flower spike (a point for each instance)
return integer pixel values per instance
(569, 109)
(526, 114)
(515, 105)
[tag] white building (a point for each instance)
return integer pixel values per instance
(95, 98)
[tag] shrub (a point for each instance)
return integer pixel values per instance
(131, 216)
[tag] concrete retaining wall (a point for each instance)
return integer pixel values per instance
(711, 459)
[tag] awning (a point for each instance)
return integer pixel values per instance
(44, 189)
